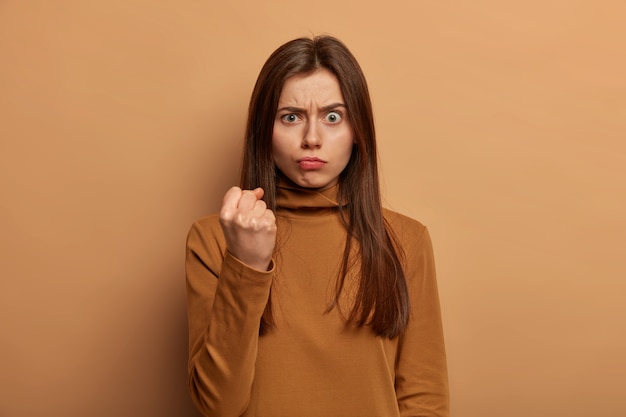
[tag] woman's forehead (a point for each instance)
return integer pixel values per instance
(320, 87)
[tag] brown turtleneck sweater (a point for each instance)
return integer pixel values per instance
(311, 363)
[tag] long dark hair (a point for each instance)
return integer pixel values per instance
(382, 300)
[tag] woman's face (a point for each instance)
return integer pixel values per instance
(313, 139)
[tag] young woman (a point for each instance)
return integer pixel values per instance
(305, 296)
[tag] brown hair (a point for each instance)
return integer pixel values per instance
(382, 300)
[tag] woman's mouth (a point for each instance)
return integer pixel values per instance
(310, 163)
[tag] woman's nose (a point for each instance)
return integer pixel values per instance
(312, 138)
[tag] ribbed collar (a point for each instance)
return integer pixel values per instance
(293, 197)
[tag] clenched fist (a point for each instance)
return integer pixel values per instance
(249, 227)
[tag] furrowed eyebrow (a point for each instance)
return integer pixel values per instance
(290, 109)
(299, 110)
(333, 106)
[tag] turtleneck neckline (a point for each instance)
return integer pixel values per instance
(293, 197)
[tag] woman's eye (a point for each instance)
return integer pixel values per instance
(290, 118)
(333, 117)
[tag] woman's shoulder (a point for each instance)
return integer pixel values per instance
(208, 221)
(399, 220)
(206, 229)
(406, 229)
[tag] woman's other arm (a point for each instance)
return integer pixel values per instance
(421, 371)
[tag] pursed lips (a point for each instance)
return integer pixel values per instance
(310, 163)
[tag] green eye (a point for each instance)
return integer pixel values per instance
(333, 117)
(290, 118)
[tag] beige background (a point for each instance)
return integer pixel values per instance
(502, 126)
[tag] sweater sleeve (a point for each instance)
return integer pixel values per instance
(421, 370)
(225, 302)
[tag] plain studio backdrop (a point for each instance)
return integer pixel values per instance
(501, 126)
